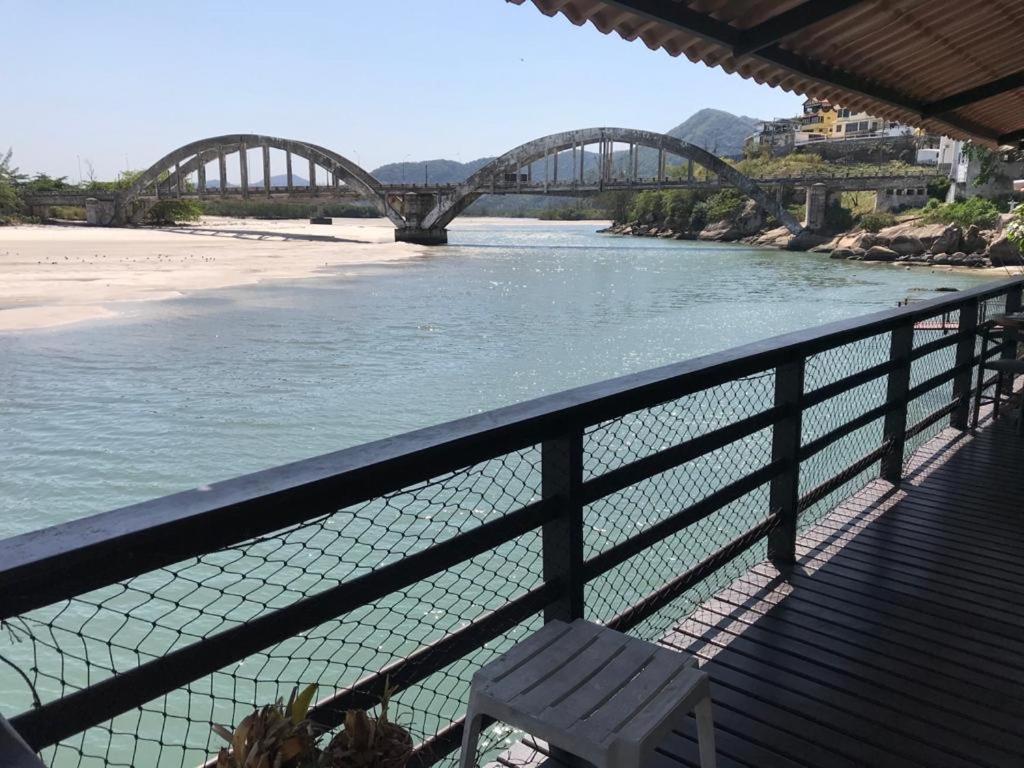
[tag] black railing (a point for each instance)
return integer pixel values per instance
(408, 562)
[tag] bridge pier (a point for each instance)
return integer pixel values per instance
(100, 213)
(419, 236)
(819, 198)
(415, 207)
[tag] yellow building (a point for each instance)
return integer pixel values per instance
(819, 118)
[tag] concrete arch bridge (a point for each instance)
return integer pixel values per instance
(573, 163)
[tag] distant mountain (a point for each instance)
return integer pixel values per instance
(712, 129)
(721, 133)
(432, 171)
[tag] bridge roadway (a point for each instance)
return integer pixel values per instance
(421, 212)
(835, 182)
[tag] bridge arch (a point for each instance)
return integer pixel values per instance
(166, 174)
(525, 154)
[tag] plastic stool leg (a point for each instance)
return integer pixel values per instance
(705, 732)
(470, 739)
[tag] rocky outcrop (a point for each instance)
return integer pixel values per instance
(906, 244)
(880, 253)
(910, 243)
(747, 223)
(1003, 253)
(720, 231)
(974, 241)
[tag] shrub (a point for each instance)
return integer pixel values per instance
(978, 211)
(679, 208)
(699, 216)
(875, 221)
(838, 218)
(1015, 230)
(174, 211)
(724, 205)
(649, 207)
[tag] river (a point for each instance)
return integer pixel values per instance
(177, 393)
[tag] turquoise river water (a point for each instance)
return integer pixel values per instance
(183, 392)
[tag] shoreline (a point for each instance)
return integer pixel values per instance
(57, 275)
(991, 272)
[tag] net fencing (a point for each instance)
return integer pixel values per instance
(66, 647)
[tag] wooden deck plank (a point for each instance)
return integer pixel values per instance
(896, 640)
(900, 627)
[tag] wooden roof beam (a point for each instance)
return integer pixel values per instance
(1013, 140)
(973, 95)
(680, 16)
(789, 23)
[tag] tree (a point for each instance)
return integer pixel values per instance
(9, 177)
(1015, 229)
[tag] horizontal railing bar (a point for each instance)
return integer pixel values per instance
(822, 490)
(935, 381)
(101, 701)
(329, 713)
(634, 545)
(817, 445)
(828, 391)
(74, 557)
(936, 344)
(668, 458)
(669, 591)
(931, 418)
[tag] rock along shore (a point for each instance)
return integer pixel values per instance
(911, 243)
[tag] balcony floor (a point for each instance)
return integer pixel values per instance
(898, 640)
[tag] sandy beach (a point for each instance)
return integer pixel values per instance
(54, 275)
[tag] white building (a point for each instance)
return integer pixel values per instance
(964, 169)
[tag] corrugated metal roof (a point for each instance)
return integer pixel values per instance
(892, 58)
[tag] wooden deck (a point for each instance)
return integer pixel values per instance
(898, 640)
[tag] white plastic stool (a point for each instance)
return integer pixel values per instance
(603, 696)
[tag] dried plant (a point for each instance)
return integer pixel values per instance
(369, 742)
(276, 736)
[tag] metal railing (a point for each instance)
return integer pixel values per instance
(406, 563)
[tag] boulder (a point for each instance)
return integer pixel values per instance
(750, 219)
(778, 237)
(946, 242)
(880, 253)
(720, 231)
(805, 240)
(976, 260)
(841, 253)
(973, 241)
(906, 244)
(957, 258)
(1004, 253)
(868, 240)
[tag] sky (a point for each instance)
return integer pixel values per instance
(117, 85)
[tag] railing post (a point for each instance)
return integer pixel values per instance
(1009, 351)
(894, 431)
(966, 348)
(784, 495)
(561, 480)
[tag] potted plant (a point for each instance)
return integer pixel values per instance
(282, 736)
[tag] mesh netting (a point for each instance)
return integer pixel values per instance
(623, 514)
(67, 646)
(827, 368)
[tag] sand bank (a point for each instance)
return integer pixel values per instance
(55, 275)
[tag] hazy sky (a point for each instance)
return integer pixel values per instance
(122, 83)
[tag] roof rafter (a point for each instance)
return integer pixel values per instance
(789, 23)
(976, 94)
(680, 16)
